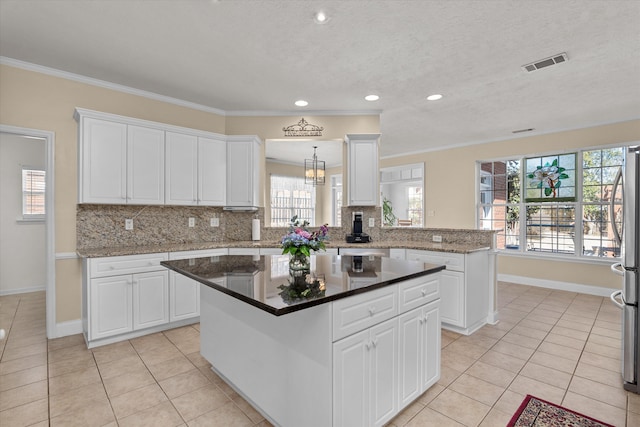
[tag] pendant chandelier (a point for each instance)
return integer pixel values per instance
(314, 170)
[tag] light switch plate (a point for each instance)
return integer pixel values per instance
(437, 239)
(215, 222)
(128, 224)
(192, 222)
(372, 222)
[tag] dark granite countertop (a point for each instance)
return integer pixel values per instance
(267, 283)
(179, 247)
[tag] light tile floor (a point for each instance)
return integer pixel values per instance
(560, 346)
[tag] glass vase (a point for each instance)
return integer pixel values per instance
(299, 262)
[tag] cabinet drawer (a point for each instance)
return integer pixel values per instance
(244, 251)
(416, 292)
(453, 262)
(111, 266)
(358, 312)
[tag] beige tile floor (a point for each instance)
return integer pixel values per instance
(560, 346)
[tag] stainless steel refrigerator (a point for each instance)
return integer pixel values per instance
(627, 298)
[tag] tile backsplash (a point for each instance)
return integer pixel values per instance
(100, 226)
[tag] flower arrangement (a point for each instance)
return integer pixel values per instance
(299, 241)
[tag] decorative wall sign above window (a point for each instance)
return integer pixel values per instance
(551, 178)
(303, 128)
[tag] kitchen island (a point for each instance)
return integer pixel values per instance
(351, 342)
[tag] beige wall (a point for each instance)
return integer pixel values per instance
(269, 127)
(450, 191)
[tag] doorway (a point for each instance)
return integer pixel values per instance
(27, 221)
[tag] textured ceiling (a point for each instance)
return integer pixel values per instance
(247, 57)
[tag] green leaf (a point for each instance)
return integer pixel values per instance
(560, 170)
(530, 175)
(563, 176)
(558, 184)
(305, 250)
(555, 162)
(547, 191)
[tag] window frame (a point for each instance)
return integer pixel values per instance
(291, 207)
(24, 194)
(578, 205)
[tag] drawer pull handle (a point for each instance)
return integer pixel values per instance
(424, 292)
(375, 342)
(367, 345)
(111, 267)
(421, 320)
(150, 263)
(372, 311)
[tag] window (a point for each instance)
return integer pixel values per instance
(290, 196)
(336, 197)
(401, 190)
(33, 193)
(539, 216)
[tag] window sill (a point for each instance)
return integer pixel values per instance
(557, 257)
(25, 221)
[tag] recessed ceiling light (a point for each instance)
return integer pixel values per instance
(372, 97)
(320, 18)
(301, 103)
(434, 97)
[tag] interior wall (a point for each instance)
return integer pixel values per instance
(450, 191)
(22, 244)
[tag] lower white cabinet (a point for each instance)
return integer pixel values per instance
(365, 376)
(464, 287)
(386, 350)
(120, 303)
(419, 346)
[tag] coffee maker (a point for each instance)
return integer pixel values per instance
(357, 236)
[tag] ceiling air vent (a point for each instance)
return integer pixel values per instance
(556, 59)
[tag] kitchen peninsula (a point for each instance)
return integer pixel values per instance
(350, 343)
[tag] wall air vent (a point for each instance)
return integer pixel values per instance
(555, 59)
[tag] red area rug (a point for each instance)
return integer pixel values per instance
(534, 412)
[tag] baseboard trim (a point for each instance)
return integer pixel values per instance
(22, 290)
(70, 327)
(560, 286)
(493, 318)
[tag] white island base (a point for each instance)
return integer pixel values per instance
(355, 361)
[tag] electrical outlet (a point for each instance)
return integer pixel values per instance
(372, 222)
(431, 213)
(192, 222)
(128, 224)
(437, 239)
(215, 222)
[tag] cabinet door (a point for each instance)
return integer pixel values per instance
(241, 169)
(384, 372)
(351, 378)
(410, 350)
(181, 172)
(150, 299)
(110, 306)
(184, 297)
(452, 298)
(362, 172)
(212, 172)
(103, 162)
(430, 341)
(145, 166)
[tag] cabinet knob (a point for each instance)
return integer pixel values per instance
(150, 263)
(111, 267)
(372, 311)
(367, 345)
(421, 320)
(374, 342)
(424, 292)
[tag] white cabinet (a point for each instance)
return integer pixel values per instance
(464, 288)
(419, 346)
(184, 293)
(119, 163)
(195, 170)
(212, 171)
(386, 350)
(362, 170)
(243, 171)
(181, 170)
(124, 294)
(365, 376)
(145, 165)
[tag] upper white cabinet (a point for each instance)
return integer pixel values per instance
(195, 170)
(362, 170)
(122, 160)
(181, 169)
(243, 171)
(119, 163)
